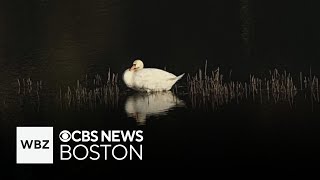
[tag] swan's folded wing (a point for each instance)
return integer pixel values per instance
(151, 78)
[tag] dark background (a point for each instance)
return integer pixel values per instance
(179, 35)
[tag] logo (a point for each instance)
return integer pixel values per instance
(101, 145)
(35, 145)
(65, 136)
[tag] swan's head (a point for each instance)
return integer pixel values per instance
(136, 65)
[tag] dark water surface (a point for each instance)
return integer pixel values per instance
(59, 43)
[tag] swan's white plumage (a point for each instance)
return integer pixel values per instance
(150, 79)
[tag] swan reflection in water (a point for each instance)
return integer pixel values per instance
(143, 105)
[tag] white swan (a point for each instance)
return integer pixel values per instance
(148, 79)
(143, 105)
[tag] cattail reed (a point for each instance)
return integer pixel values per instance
(210, 87)
(29, 92)
(91, 94)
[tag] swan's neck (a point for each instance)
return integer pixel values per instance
(128, 78)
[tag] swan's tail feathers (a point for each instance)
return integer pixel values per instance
(179, 77)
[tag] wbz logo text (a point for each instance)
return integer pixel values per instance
(34, 145)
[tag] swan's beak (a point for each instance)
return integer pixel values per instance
(133, 67)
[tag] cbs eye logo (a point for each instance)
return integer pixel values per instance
(65, 136)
